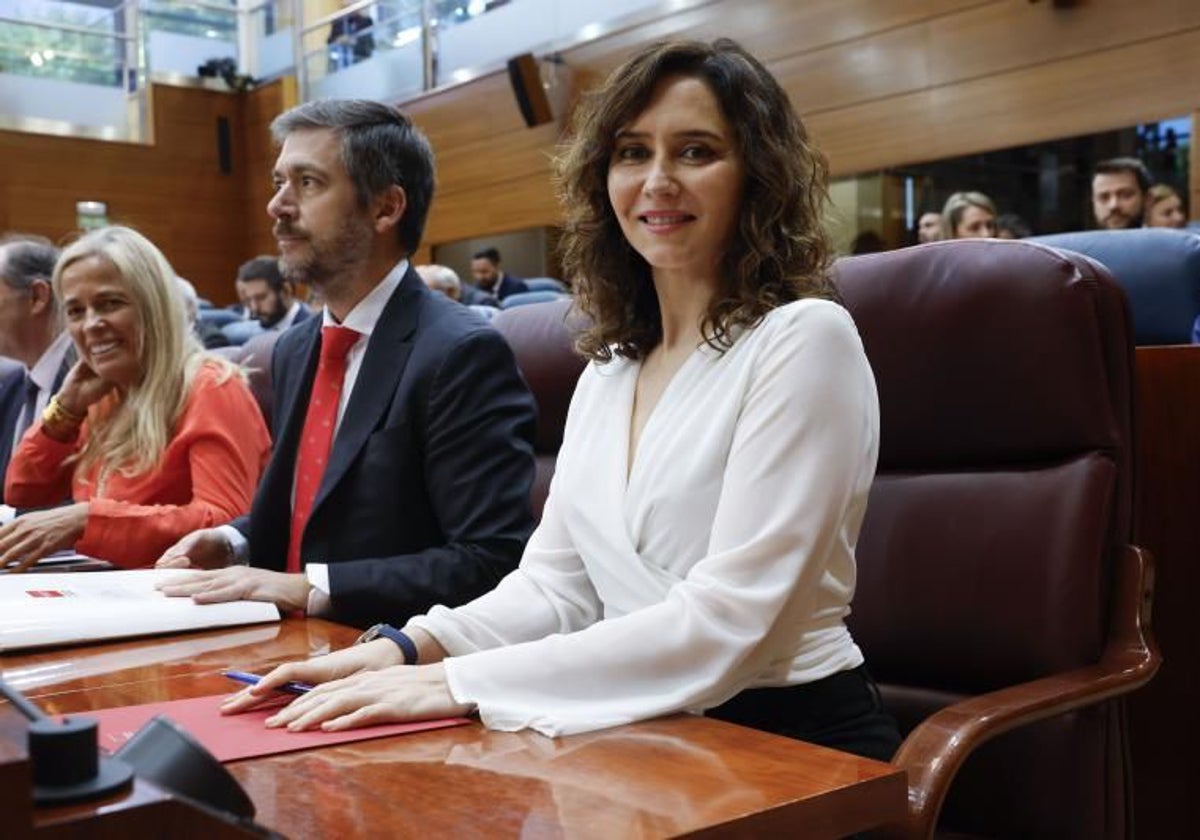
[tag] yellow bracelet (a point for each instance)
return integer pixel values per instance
(58, 416)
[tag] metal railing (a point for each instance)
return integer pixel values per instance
(340, 40)
(68, 52)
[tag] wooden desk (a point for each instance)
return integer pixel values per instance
(677, 776)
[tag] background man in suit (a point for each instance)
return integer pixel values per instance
(1119, 191)
(31, 332)
(268, 296)
(491, 279)
(422, 496)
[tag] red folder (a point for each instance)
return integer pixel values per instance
(233, 737)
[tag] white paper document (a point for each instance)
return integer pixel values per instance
(37, 610)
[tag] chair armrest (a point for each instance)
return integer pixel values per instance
(934, 751)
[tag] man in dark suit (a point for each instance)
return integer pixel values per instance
(421, 496)
(269, 297)
(31, 333)
(491, 279)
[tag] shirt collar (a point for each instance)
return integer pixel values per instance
(365, 314)
(289, 317)
(45, 371)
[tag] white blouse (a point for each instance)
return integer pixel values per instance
(723, 561)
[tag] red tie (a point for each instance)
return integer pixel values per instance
(317, 438)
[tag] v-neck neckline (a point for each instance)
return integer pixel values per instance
(629, 467)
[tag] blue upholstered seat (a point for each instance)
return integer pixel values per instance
(525, 298)
(1159, 270)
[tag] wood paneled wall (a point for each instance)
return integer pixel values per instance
(879, 84)
(207, 222)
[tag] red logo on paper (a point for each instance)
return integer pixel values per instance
(46, 593)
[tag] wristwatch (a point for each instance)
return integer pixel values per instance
(407, 646)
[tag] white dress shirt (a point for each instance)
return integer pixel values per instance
(362, 318)
(724, 560)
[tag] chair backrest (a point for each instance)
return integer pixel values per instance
(526, 298)
(541, 338)
(544, 284)
(1000, 508)
(255, 357)
(1159, 269)
(239, 332)
(218, 317)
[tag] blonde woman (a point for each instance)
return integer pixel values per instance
(151, 437)
(969, 215)
(1164, 208)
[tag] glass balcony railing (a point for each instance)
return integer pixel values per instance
(67, 53)
(384, 49)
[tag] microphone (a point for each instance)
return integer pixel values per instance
(66, 760)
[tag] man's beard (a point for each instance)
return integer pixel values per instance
(330, 260)
(277, 314)
(1120, 221)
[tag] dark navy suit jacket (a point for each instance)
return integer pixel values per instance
(12, 399)
(510, 285)
(426, 497)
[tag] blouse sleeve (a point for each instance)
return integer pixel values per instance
(38, 475)
(225, 445)
(549, 592)
(797, 473)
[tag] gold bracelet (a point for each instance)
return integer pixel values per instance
(57, 416)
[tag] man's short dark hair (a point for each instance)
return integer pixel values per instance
(490, 254)
(27, 258)
(1115, 166)
(381, 148)
(262, 268)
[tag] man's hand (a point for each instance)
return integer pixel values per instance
(240, 583)
(32, 536)
(204, 549)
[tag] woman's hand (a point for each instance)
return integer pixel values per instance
(393, 695)
(380, 653)
(32, 536)
(81, 388)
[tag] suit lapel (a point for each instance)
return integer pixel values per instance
(375, 388)
(12, 386)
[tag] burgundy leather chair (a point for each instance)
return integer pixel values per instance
(540, 335)
(255, 357)
(999, 603)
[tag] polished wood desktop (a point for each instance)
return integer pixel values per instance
(682, 775)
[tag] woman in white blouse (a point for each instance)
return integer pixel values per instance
(697, 549)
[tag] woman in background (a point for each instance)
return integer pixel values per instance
(697, 548)
(969, 215)
(1164, 207)
(151, 437)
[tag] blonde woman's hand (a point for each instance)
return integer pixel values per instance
(37, 534)
(81, 388)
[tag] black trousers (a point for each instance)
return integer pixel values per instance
(842, 711)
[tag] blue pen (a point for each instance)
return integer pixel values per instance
(253, 679)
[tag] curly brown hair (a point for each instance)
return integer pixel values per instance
(779, 251)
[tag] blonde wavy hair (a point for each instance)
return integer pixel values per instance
(128, 432)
